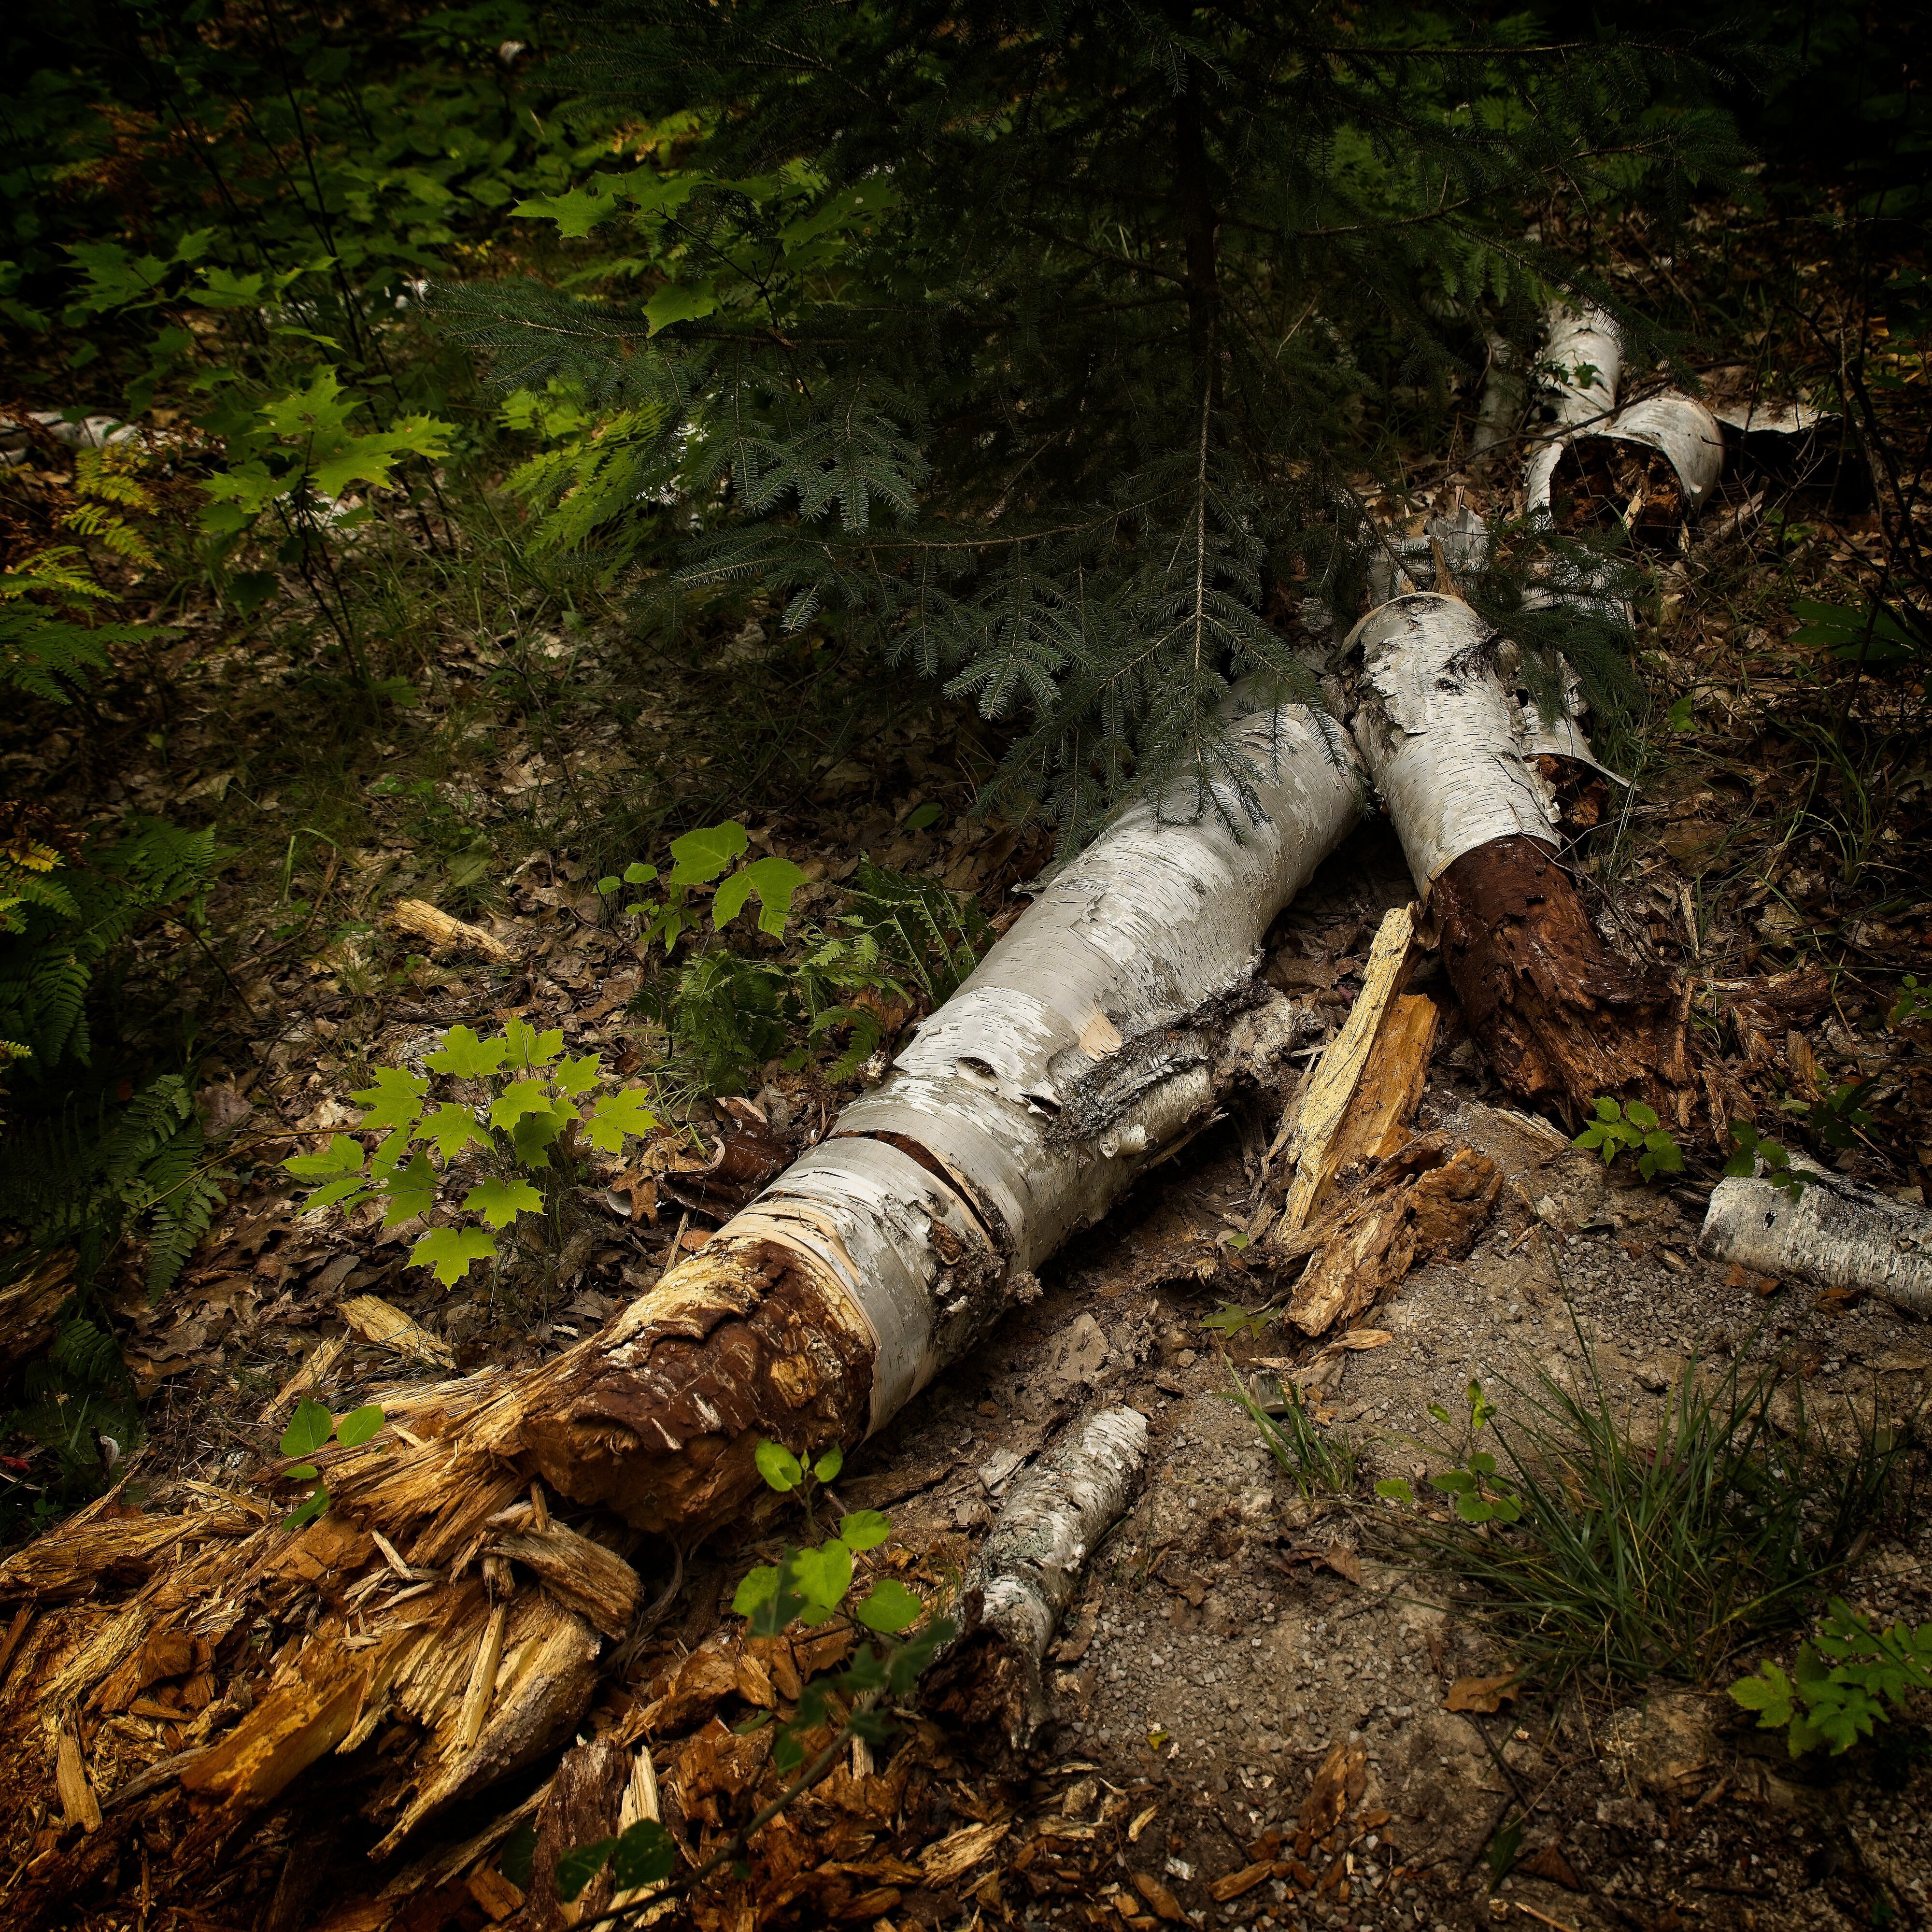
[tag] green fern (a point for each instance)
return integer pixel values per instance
(77, 1393)
(49, 644)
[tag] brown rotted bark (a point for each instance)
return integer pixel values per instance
(1562, 1019)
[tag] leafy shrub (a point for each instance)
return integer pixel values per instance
(1850, 1679)
(1632, 1128)
(1751, 1151)
(311, 1428)
(530, 1092)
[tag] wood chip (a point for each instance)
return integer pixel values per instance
(495, 1893)
(70, 1779)
(945, 1861)
(1157, 1895)
(1237, 1882)
(321, 1359)
(377, 1321)
(421, 920)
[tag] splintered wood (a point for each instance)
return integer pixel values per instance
(1325, 1103)
(422, 920)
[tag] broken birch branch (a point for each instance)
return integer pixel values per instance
(1836, 1233)
(1025, 1572)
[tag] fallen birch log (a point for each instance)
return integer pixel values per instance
(1835, 1233)
(1110, 1020)
(1025, 1573)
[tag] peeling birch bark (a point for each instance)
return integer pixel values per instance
(1581, 364)
(1560, 1019)
(1026, 1571)
(1836, 1234)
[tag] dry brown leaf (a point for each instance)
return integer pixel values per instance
(960, 1852)
(1550, 1864)
(1481, 1694)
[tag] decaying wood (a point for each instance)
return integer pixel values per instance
(1025, 1572)
(1427, 1201)
(30, 1307)
(381, 1322)
(1561, 1019)
(1835, 1233)
(1308, 1142)
(422, 920)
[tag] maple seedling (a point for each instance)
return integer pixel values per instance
(532, 1095)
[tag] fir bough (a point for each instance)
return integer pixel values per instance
(1037, 343)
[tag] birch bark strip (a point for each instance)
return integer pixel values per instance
(1836, 1234)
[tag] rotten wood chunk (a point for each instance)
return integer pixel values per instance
(1428, 1201)
(581, 1807)
(582, 1576)
(1560, 1019)
(422, 920)
(30, 1309)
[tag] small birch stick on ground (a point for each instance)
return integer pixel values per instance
(1026, 1572)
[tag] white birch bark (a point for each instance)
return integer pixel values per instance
(1059, 1071)
(1835, 1233)
(1026, 1571)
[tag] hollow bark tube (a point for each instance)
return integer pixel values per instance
(1560, 1019)
(1679, 427)
(1835, 1233)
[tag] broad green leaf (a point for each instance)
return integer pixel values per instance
(778, 1466)
(928, 814)
(699, 856)
(824, 1574)
(575, 1078)
(409, 1191)
(302, 1472)
(307, 1512)
(864, 1529)
(673, 303)
(575, 214)
(450, 1129)
(341, 1155)
(638, 873)
(1393, 1490)
(759, 1586)
(774, 880)
(336, 1190)
(828, 1466)
(359, 1424)
(614, 1115)
(532, 1135)
(394, 1101)
(449, 1251)
(889, 1607)
(466, 1056)
(519, 1098)
(646, 1854)
(529, 1049)
(580, 1865)
(389, 1151)
(500, 1202)
(309, 1428)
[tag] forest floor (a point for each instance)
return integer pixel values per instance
(1246, 1622)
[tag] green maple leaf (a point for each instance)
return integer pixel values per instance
(774, 880)
(394, 1101)
(408, 1192)
(466, 1056)
(341, 1156)
(519, 1098)
(500, 1202)
(450, 1130)
(674, 303)
(528, 1048)
(533, 1134)
(864, 1529)
(576, 213)
(449, 1251)
(576, 1077)
(614, 1115)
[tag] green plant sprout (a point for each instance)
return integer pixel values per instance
(1632, 1128)
(1752, 1149)
(809, 1586)
(531, 1095)
(1479, 1494)
(697, 859)
(1913, 1006)
(1837, 1119)
(1840, 1685)
(310, 1430)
